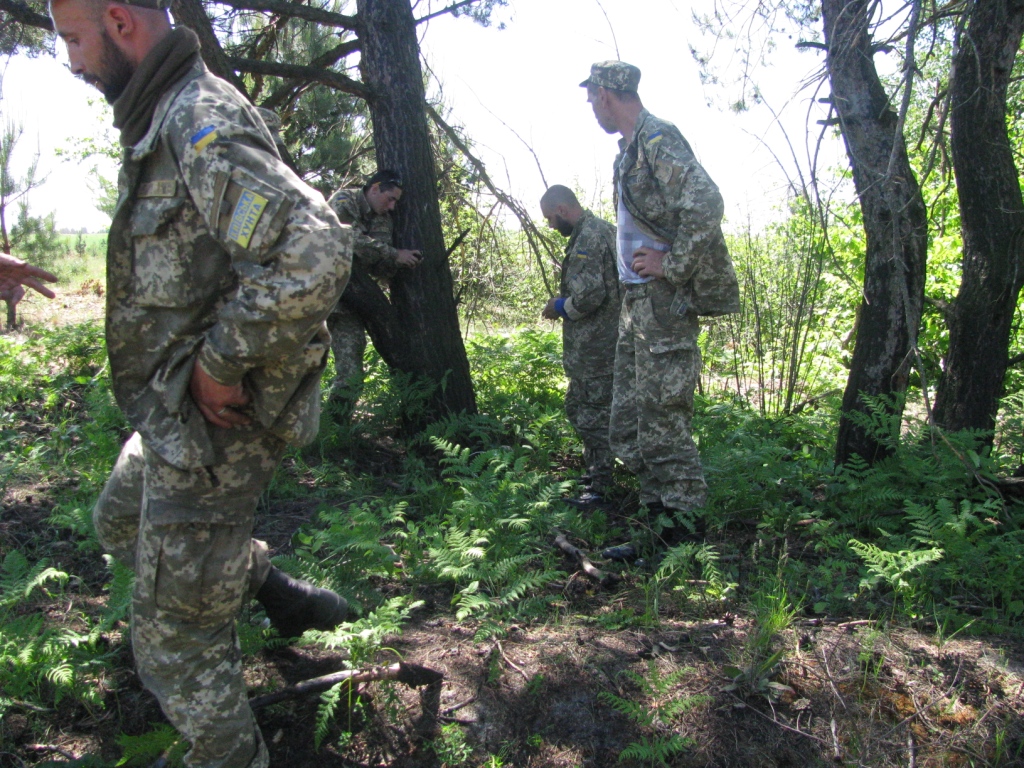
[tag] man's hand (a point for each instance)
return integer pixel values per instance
(550, 313)
(216, 401)
(15, 273)
(408, 259)
(647, 262)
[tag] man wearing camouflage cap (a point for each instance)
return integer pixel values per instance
(588, 304)
(368, 211)
(222, 266)
(675, 266)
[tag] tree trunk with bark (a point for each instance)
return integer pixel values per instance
(895, 223)
(422, 298)
(991, 218)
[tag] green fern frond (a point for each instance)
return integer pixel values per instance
(329, 700)
(144, 749)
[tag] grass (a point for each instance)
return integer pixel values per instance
(775, 628)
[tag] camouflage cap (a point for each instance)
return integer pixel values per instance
(617, 75)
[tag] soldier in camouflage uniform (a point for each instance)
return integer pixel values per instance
(222, 267)
(675, 265)
(368, 211)
(589, 302)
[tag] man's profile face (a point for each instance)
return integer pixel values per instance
(557, 221)
(383, 202)
(598, 99)
(92, 53)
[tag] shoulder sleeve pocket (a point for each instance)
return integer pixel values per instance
(252, 213)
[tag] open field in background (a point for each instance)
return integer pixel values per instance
(868, 617)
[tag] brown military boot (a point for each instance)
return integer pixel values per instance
(294, 605)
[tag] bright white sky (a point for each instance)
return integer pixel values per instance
(526, 76)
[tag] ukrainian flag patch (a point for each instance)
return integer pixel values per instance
(582, 254)
(247, 214)
(654, 138)
(203, 139)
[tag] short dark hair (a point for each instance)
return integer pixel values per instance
(559, 194)
(387, 178)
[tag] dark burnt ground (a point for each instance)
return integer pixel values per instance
(859, 695)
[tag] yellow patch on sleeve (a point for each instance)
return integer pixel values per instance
(247, 214)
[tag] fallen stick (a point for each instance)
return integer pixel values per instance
(592, 571)
(413, 675)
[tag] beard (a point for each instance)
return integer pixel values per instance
(115, 71)
(563, 227)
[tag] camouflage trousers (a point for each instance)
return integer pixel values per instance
(657, 364)
(187, 534)
(588, 405)
(348, 342)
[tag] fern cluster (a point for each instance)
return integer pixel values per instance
(485, 542)
(654, 711)
(39, 663)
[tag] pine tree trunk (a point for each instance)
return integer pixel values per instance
(422, 298)
(991, 218)
(895, 224)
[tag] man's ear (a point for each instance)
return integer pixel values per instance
(119, 21)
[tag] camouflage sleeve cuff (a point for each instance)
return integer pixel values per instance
(220, 368)
(679, 267)
(568, 309)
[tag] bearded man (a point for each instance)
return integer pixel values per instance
(588, 304)
(222, 266)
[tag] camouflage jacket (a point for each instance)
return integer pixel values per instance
(593, 297)
(218, 251)
(673, 199)
(372, 233)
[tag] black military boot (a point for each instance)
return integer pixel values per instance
(293, 605)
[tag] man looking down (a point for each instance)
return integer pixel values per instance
(222, 266)
(588, 304)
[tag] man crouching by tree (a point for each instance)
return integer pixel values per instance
(674, 264)
(367, 210)
(589, 301)
(222, 266)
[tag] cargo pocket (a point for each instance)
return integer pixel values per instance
(668, 323)
(677, 371)
(202, 571)
(160, 275)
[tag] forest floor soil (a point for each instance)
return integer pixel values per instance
(857, 692)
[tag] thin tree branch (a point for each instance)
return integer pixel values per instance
(533, 235)
(287, 90)
(450, 9)
(615, 41)
(413, 675)
(327, 77)
(23, 14)
(284, 8)
(191, 14)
